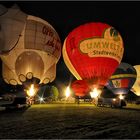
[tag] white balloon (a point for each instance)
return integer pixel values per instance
(29, 47)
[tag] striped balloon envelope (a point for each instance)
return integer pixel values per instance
(123, 79)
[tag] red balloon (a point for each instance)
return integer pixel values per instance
(80, 88)
(92, 52)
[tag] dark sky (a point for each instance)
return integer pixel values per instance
(64, 16)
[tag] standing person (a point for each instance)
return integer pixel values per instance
(77, 99)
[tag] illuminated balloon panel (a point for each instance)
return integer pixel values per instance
(123, 79)
(32, 46)
(9, 74)
(92, 52)
(31, 62)
(50, 75)
(136, 86)
(80, 88)
(12, 23)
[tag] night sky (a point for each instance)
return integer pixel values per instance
(64, 16)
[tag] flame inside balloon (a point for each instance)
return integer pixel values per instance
(31, 92)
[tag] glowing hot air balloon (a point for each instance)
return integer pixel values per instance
(92, 52)
(123, 79)
(136, 86)
(29, 48)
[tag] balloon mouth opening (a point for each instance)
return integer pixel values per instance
(34, 80)
(95, 83)
(96, 86)
(28, 79)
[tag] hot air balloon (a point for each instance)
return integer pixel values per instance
(29, 48)
(92, 52)
(123, 79)
(136, 87)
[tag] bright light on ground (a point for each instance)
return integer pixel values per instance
(95, 93)
(67, 92)
(41, 99)
(114, 99)
(31, 92)
(121, 96)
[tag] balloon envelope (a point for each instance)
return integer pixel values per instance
(136, 86)
(92, 52)
(30, 48)
(123, 79)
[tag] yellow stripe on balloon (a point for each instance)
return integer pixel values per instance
(68, 63)
(123, 76)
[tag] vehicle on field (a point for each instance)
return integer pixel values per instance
(11, 101)
(111, 102)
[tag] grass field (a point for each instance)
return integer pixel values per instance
(63, 121)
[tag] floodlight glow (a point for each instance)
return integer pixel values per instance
(95, 93)
(67, 92)
(41, 99)
(114, 99)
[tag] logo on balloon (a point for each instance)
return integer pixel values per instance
(110, 45)
(40, 36)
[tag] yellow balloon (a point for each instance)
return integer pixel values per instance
(136, 86)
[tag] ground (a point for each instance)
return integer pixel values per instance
(63, 121)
